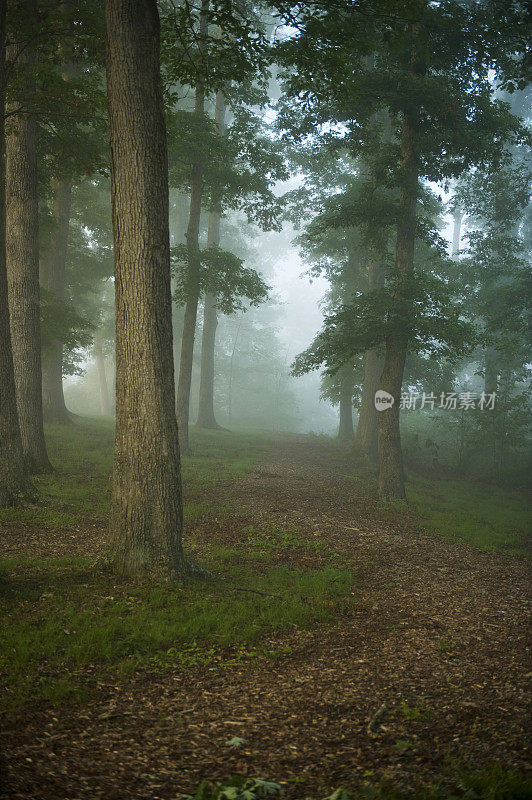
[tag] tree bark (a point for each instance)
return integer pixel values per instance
(14, 476)
(391, 475)
(366, 438)
(206, 417)
(22, 259)
(193, 287)
(52, 278)
(146, 517)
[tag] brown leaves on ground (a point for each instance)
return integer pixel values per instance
(437, 636)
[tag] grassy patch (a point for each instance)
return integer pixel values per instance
(82, 455)
(488, 517)
(494, 782)
(62, 624)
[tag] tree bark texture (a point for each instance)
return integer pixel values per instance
(52, 278)
(193, 287)
(391, 476)
(14, 475)
(22, 259)
(146, 509)
(366, 438)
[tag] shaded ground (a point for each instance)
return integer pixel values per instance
(437, 633)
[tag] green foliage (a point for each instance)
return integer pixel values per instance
(221, 274)
(236, 788)
(429, 320)
(60, 321)
(493, 782)
(216, 61)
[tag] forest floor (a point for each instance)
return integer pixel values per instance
(379, 650)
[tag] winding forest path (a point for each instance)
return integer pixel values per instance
(437, 633)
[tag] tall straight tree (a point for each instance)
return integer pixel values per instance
(52, 278)
(446, 119)
(22, 257)
(146, 509)
(193, 282)
(206, 417)
(391, 476)
(14, 476)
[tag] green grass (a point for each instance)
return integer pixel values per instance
(485, 516)
(492, 782)
(60, 618)
(64, 624)
(82, 456)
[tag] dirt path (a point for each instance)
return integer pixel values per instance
(438, 634)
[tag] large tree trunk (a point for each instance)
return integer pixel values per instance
(366, 438)
(14, 476)
(391, 476)
(146, 517)
(206, 418)
(193, 282)
(22, 259)
(52, 278)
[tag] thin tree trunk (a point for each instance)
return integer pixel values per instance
(391, 476)
(14, 477)
(22, 259)
(105, 402)
(457, 229)
(146, 517)
(193, 287)
(366, 438)
(345, 428)
(231, 369)
(491, 371)
(52, 278)
(206, 418)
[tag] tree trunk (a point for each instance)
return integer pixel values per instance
(206, 418)
(52, 278)
(391, 476)
(14, 476)
(193, 283)
(231, 372)
(105, 402)
(491, 371)
(366, 438)
(22, 259)
(146, 517)
(457, 228)
(345, 428)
